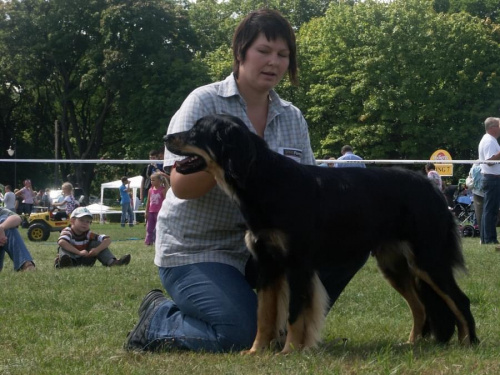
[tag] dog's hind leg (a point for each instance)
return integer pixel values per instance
(445, 303)
(308, 306)
(444, 285)
(394, 266)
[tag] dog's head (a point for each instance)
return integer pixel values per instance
(219, 144)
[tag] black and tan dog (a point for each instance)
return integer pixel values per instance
(301, 217)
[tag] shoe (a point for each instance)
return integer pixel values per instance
(155, 295)
(123, 261)
(65, 261)
(137, 338)
(28, 266)
(497, 248)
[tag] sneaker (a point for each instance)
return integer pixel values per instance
(123, 261)
(65, 261)
(155, 295)
(497, 248)
(137, 338)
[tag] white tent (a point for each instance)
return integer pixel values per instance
(135, 183)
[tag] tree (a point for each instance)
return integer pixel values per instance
(479, 8)
(398, 80)
(87, 64)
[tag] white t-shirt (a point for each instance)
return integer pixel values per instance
(9, 201)
(487, 148)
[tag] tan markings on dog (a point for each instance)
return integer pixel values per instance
(463, 329)
(213, 168)
(305, 332)
(267, 316)
(387, 259)
(274, 238)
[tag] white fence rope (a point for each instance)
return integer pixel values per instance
(328, 161)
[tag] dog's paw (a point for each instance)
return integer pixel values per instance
(249, 352)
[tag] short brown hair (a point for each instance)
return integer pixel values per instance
(273, 25)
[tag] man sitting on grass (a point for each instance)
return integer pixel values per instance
(12, 243)
(79, 246)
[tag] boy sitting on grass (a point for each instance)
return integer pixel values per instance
(79, 246)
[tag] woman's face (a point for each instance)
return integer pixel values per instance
(265, 64)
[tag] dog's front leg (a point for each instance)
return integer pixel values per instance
(267, 317)
(308, 307)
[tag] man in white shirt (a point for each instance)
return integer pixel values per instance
(489, 149)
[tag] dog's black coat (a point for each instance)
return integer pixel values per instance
(301, 217)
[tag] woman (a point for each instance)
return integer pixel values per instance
(200, 250)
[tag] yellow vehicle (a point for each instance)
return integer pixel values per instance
(40, 224)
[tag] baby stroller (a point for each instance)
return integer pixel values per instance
(465, 214)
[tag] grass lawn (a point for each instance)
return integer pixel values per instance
(75, 321)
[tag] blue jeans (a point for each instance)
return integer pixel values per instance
(16, 249)
(491, 204)
(127, 211)
(215, 308)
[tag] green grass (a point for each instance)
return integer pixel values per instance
(74, 321)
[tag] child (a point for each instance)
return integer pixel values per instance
(79, 246)
(68, 204)
(156, 195)
(126, 203)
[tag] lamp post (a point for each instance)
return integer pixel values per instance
(12, 153)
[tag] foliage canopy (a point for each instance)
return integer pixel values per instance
(396, 80)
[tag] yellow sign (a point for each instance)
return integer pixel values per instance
(444, 170)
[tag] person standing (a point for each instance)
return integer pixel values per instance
(46, 200)
(146, 176)
(126, 203)
(432, 175)
(489, 149)
(201, 255)
(156, 195)
(9, 200)
(28, 196)
(348, 154)
(475, 183)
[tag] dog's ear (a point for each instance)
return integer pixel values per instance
(239, 150)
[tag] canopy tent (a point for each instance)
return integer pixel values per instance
(135, 183)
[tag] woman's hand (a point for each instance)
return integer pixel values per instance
(191, 186)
